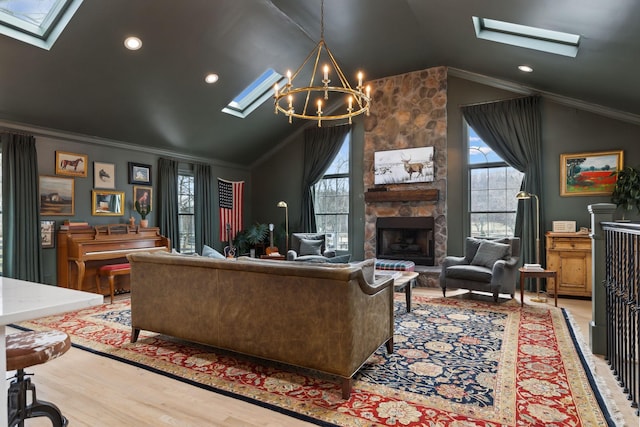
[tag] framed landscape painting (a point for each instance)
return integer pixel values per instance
(589, 174)
(56, 196)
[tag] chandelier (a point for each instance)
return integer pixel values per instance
(300, 102)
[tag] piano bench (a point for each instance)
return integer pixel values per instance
(111, 271)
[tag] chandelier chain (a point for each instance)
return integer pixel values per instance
(322, 20)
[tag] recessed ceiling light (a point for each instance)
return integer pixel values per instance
(525, 68)
(132, 43)
(211, 78)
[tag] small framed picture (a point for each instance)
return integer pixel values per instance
(56, 196)
(107, 203)
(139, 174)
(47, 234)
(142, 195)
(104, 175)
(71, 164)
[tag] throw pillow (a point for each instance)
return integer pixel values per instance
(471, 248)
(310, 247)
(211, 253)
(489, 252)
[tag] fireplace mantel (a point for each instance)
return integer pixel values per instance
(429, 195)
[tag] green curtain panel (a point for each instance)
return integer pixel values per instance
(321, 145)
(513, 129)
(168, 201)
(203, 206)
(21, 250)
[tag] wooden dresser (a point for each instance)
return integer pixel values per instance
(569, 254)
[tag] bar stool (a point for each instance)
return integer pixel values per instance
(26, 349)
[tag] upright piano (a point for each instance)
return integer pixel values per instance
(82, 250)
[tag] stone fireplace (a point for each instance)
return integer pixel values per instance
(406, 238)
(408, 111)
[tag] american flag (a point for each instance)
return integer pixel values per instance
(230, 196)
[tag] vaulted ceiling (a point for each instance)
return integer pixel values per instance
(89, 84)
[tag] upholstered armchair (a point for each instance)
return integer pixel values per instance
(489, 265)
(309, 247)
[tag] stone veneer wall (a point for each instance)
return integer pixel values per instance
(408, 111)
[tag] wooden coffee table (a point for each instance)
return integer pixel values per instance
(406, 281)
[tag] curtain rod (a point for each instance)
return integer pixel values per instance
(493, 102)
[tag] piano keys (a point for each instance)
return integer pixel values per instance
(81, 251)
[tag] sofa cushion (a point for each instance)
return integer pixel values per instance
(310, 247)
(211, 253)
(489, 252)
(339, 259)
(474, 273)
(312, 258)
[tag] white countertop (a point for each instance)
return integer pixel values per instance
(21, 300)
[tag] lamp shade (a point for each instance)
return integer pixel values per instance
(523, 195)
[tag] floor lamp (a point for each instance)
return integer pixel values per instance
(283, 204)
(523, 195)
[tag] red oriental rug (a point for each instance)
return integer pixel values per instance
(456, 362)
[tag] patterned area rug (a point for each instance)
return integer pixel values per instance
(457, 362)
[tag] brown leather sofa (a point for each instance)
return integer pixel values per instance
(324, 317)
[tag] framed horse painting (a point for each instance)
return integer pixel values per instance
(71, 164)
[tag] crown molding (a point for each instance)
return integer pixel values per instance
(7, 125)
(559, 99)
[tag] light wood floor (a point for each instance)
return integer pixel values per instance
(95, 391)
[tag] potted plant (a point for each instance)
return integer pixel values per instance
(626, 192)
(251, 236)
(143, 209)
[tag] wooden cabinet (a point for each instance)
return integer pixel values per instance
(569, 254)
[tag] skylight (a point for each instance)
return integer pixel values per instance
(253, 95)
(37, 22)
(555, 42)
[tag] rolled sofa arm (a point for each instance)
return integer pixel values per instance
(375, 287)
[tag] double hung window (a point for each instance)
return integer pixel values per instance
(493, 185)
(331, 200)
(186, 224)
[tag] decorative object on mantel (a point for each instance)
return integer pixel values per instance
(357, 101)
(426, 195)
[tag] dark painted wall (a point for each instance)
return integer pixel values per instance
(564, 130)
(120, 156)
(279, 177)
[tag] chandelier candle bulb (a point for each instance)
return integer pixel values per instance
(360, 81)
(326, 73)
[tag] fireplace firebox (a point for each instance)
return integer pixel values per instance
(406, 238)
